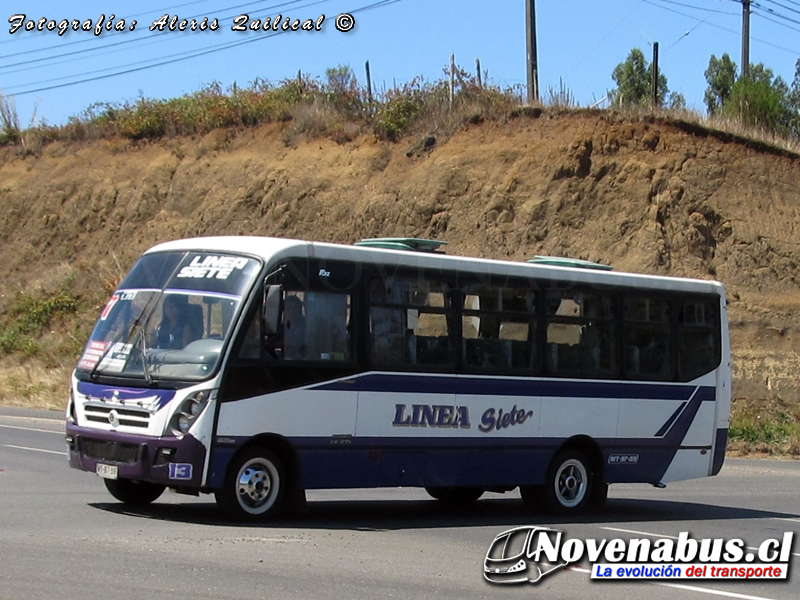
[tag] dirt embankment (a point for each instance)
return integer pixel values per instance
(645, 196)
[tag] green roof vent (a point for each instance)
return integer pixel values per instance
(577, 263)
(411, 244)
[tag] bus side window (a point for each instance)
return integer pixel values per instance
(387, 324)
(498, 327)
(409, 322)
(326, 334)
(581, 334)
(698, 338)
(313, 327)
(646, 343)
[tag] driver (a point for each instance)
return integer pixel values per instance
(174, 331)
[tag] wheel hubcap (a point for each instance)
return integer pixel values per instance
(255, 485)
(571, 484)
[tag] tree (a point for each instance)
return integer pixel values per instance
(793, 102)
(634, 79)
(676, 101)
(720, 75)
(760, 101)
(341, 88)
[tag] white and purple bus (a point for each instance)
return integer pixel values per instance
(257, 368)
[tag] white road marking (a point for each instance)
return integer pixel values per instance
(45, 419)
(633, 531)
(35, 449)
(31, 429)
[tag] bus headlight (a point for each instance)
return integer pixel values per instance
(188, 412)
(71, 417)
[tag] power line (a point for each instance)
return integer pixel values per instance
(789, 8)
(737, 33)
(168, 9)
(771, 20)
(688, 32)
(610, 31)
(773, 13)
(156, 39)
(60, 48)
(172, 60)
(695, 7)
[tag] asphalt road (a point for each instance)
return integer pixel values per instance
(62, 536)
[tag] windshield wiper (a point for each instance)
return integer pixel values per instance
(143, 343)
(144, 315)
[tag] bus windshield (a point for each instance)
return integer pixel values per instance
(169, 318)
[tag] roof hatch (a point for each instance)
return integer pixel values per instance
(577, 263)
(412, 244)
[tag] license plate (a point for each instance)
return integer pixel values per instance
(107, 471)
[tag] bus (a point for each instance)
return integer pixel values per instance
(257, 368)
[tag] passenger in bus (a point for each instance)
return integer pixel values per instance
(175, 330)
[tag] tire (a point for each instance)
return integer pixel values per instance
(599, 494)
(568, 488)
(455, 496)
(255, 486)
(532, 496)
(134, 493)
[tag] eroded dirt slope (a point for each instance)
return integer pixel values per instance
(646, 196)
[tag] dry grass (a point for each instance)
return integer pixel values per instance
(29, 384)
(767, 426)
(336, 108)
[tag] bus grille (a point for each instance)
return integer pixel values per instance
(113, 451)
(127, 416)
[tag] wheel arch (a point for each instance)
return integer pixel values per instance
(290, 459)
(591, 450)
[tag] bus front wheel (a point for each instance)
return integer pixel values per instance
(254, 487)
(134, 493)
(568, 488)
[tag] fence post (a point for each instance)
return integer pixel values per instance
(452, 78)
(478, 69)
(369, 84)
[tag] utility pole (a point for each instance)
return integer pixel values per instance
(533, 67)
(745, 38)
(655, 75)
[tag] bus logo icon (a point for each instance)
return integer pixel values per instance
(510, 558)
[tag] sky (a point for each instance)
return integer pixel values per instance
(53, 77)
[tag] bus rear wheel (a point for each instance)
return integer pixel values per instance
(568, 488)
(134, 493)
(455, 496)
(254, 487)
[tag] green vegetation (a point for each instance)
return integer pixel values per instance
(329, 108)
(26, 321)
(765, 426)
(339, 108)
(760, 100)
(9, 121)
(634, 79)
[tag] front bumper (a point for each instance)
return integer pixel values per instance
(170, 461)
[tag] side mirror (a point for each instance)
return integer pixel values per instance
(271, 310)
